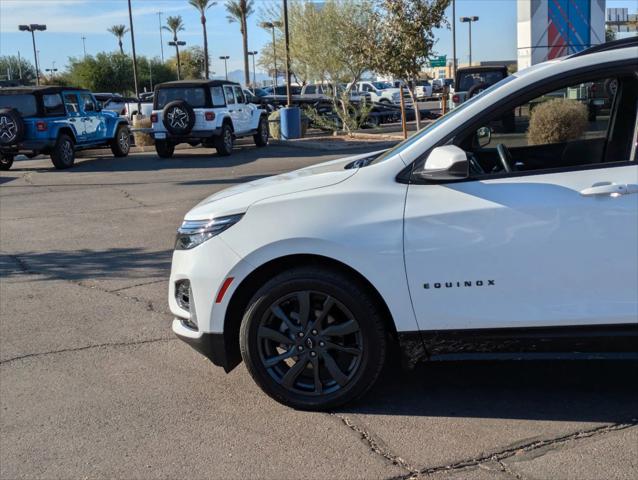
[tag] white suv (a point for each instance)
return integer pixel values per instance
(208, 112)
(464, 241)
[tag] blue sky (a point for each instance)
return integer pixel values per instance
(494, 36)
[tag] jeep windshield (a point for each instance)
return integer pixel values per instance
(24, 103)
(194, 96)
(467, 80)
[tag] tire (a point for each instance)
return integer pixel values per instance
(11, 127)
(348, 359)
(178, 118)
(6, 160)
(63, 154)
(224, 143)
(261, 137)
(121, 144)
(476, 89)
(164, 149)
(385, 101)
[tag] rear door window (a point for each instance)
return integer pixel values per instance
(71, 103)
(53, 104)
(230, 96)
(239, 95)
(25, 104)
(218, 96)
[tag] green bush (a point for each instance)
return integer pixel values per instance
(557, 121)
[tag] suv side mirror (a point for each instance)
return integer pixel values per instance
(445, 163)
(484, 136)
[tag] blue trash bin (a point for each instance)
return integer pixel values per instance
(290, 123)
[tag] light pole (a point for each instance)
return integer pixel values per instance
(137, 91)
(178, 44)
(287, 44)
(272, 26)
(84, 46)
(225, 59)
(33, 28)
(254, 54)
(469, 21)
(454, 39)
(159, 15)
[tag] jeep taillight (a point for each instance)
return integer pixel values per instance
(154, 117)
(456, 98)
(210, 116)
(41, 126)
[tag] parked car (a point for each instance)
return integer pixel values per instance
(209, 112)
(381, 92)
(142, 107)
(112, 102)
(471, 81)
(57, 121)
(423, 89)
(318, 91)
(444, 246)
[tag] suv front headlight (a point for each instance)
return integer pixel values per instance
(196, 232)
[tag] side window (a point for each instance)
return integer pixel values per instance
(230, 96)
(311, 89)
(239, 95)
(217, 95)
(561, 128)
(366, 87)
(53, 104)
(71, 103)
(87, 102)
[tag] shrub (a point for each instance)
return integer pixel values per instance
(557, 121)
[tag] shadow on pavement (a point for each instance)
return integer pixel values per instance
(565, 390)
(88, 264)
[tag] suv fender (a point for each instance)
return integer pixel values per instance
(66, 130)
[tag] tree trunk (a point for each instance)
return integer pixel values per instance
(417, 114)
(244, 33)
(121, 46)
(404, 125)
(206, 68)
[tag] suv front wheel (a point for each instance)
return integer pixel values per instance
(121, 143)
(63, 154)
(313, 339)
(261, 137)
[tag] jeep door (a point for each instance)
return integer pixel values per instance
(244, 111)
(94, 122)
(233, 108)
(551, 243)
(72, 104)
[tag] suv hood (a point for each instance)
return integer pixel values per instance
(237, 199)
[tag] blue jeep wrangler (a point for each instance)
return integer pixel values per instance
(57, 121)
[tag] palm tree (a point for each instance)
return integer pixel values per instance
(239, 11)
(202, 6)
(174, 25)
(119, 31)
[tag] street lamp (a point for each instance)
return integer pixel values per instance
(272, 26)
(177, 44)
(469, 21)
(254, 54)
(84, 46)
(33, 28)
(225, 59)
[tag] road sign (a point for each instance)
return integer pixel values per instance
(440, 61)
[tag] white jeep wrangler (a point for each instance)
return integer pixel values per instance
(208, 112)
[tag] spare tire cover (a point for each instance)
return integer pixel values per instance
(179, 117)
(11, 126)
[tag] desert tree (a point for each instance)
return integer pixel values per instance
(239, 11)
(119, 31)
(202, 6)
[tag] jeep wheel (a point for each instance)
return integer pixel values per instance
(121, 143)
(6, 160)
(63, 154)
(224, 143)
(11, 126)
(313, 339)
(261, 137)
(164, 149)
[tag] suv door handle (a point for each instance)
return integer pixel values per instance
(609, 190)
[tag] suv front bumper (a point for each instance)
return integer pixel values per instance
(211, 345)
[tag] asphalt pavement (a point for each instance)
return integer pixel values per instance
(93, 384)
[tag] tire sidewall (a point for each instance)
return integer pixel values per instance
(261, 128)
(164, 149)
(58, 157)
(117, 149)
(10, 116)
(186, 109)
(353, 298)
(221, 146)
(6, 161)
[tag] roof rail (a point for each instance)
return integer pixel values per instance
(604, 47)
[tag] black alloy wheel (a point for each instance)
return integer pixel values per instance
(313, 339)
(63, 154)
(121, 142)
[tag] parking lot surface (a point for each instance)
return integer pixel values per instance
(93, 384)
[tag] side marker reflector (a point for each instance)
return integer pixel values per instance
(222, 291)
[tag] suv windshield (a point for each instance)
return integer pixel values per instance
(467, 80)
(194, 96)
(24, 103)
(382, 85)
